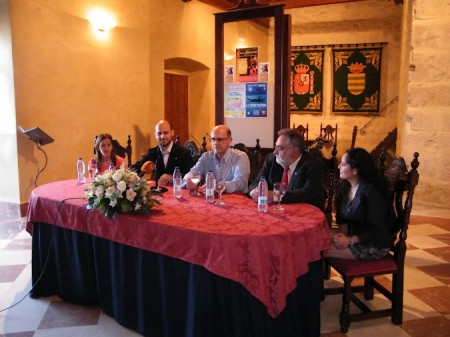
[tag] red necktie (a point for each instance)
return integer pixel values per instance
(285, 179)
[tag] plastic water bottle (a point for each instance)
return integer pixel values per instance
(81, 169)
(263, 194)
(177, 182)
(209, 186)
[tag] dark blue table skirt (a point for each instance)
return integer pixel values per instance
(160, 296)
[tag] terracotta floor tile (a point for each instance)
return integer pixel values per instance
(437, 326)
(438, 271)
(442, 237)
(441, 252)
(436, 297)
(440, 222)
(63, 314)
(9, 273)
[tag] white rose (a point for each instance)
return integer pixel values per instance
(131, 194)
(121, 185)
(117, 176)
(99, 191)
(110, 191)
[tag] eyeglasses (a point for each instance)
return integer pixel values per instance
(213, 139)
(282, 148)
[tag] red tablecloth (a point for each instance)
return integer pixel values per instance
(265, 252)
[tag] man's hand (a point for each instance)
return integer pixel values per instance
(164, 179)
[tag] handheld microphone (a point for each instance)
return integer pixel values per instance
(147, 167)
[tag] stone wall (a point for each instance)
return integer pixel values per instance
(427, 118)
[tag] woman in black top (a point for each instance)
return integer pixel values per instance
(363, 212)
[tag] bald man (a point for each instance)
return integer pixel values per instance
(166, 156)
(231, 164)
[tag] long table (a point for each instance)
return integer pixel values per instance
(187, 269)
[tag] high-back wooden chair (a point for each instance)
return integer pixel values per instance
(303, 131)
(195, 152)
(402, 184)
(328, 133)
(121, 151)
(354, 133)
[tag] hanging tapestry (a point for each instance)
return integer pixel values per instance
(306, 79)
(356, 78)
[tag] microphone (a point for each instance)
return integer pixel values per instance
(147, 167)
(156, 170)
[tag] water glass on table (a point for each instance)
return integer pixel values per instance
(92, 169)
(219, 187)
(195, 178)
(279, 190)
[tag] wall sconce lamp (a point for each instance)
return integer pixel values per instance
(101, 20)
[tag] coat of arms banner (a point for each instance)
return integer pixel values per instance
(356, 80)
(306, 79)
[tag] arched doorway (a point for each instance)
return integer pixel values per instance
(183, 90)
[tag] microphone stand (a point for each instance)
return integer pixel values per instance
(39, 171)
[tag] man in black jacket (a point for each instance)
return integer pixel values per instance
(166, 156)
(304, 172)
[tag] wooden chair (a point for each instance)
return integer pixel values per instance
(124, 152)
(195, 152)
(303, 131)
(354, 133)
(328, 133)
(401, 182)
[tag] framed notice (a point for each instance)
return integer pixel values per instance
(229, 74)
(256, 99)
(234, 100)
(247, 64)
(264, 69)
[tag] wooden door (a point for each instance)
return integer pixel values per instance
(176, 104)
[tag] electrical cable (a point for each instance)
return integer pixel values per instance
(46, 258)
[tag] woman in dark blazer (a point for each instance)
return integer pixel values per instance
(363, 212)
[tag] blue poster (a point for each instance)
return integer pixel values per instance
(256, 99)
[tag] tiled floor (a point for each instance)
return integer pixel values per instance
(426, 302)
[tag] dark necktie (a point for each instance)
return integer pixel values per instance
(285, 179)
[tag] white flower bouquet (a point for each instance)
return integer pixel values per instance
(120, 191)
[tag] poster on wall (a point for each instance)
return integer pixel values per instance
(229, 74)
(256, 99)
(234, 100)
(356, 79)
(306, 79)
(264, 71)
(247, 64)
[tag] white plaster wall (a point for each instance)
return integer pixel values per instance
(9, 190)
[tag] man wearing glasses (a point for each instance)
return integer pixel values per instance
(302, 173)
(226, 163)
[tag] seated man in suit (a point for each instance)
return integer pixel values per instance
(288, 162)
(166, 156)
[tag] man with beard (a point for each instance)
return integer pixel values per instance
(302, 173)
(166, 156)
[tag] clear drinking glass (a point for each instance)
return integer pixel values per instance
(195, 178)
(92, 169)
(219, 186)
(279, 190)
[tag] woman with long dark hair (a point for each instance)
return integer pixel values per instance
(363, 212)
(104, 155)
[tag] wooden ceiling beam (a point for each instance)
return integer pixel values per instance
(228, 4)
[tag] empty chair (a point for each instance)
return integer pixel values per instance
(195, 152)
(328, 133)
(401, 182)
